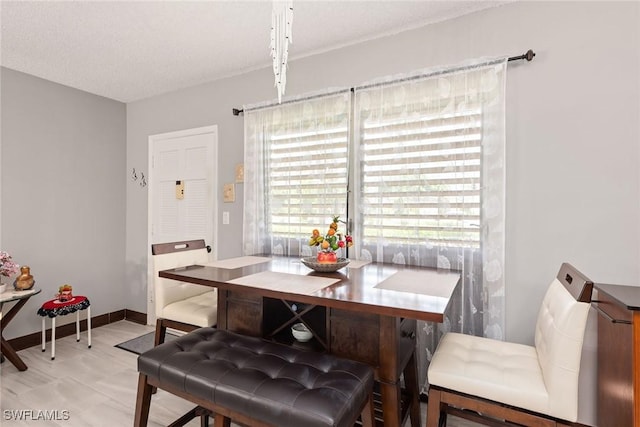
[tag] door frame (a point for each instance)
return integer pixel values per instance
(153, 140)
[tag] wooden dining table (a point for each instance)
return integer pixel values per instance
(364, 311)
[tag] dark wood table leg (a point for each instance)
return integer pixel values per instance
(222, 310)
(411, 385)
(389, 376)
(391, 411)
(5, 347)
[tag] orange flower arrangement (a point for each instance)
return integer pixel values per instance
(330, 242)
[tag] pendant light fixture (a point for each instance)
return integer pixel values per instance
(281, 20)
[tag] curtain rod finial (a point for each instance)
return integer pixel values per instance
(529, 55)
(236, 112)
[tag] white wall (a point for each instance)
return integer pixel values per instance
(63, 205)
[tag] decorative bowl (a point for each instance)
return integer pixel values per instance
(313, 264)
(301, 333)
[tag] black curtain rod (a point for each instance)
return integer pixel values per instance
(528, 56)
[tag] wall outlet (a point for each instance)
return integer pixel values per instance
(225, 218)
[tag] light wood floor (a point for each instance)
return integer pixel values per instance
(89, 387)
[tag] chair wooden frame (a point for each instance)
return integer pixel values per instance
(443, 401)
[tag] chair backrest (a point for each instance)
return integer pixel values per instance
(173, 255)
(559, 335)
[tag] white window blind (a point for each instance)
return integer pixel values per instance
(420, 174)
(307, 166)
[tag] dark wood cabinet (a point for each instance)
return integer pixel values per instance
(243, 312)
(618, 355)
(355, 336)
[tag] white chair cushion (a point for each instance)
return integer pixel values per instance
(200, 310)
(496, 370)
(169, 291)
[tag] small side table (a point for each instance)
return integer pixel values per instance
(54, 308)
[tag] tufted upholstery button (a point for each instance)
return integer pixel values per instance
(273, 383)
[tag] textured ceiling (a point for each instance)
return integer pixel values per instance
(130, 50)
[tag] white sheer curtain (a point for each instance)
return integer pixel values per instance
(295, 172)
(430, 187)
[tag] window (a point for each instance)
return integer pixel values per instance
(413, 168)
(307, 175)
(420, 172)
(300, 153)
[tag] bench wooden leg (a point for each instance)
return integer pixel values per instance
(368, 415)
(161, 330)
(143, 402)
(221, 421)
(204, 415)
(192, 414)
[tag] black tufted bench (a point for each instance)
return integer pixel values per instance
(256, 382)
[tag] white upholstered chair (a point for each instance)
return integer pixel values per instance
(181, 306)
(491, 381)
